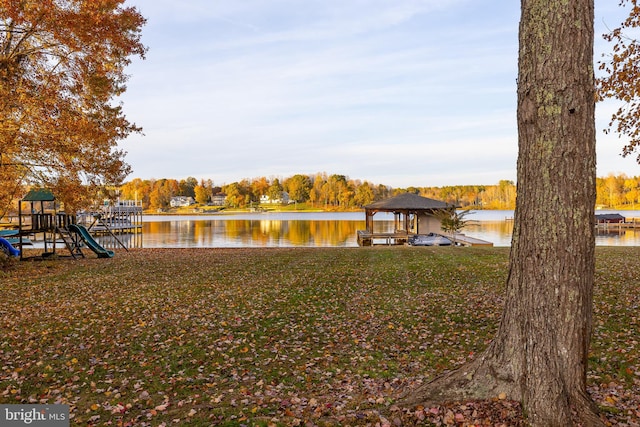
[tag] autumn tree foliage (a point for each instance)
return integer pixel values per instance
(203, 191)
(621, 79)
(613, 191)
(298, 187)
(274, 192)
(62, 64)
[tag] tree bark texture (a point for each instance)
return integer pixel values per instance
(539, 355)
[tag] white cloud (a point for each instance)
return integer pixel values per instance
(233, 89)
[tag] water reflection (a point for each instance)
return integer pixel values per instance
(497, 232)
(500, 233)
(630, 237)
(316, 230)
(251, 233)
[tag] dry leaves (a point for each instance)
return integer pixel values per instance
(282, 336)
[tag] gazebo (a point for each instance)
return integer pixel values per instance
(413, 215)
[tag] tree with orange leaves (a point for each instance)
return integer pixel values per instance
(62, 64)
(621, 78)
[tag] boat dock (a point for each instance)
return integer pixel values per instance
(465, 240)
(366, 238)
(117, 225)
(625, 224)
(118, 218)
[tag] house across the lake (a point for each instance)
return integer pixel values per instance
(181, 201)
(282, 200)
(218, 199)
(414, 215)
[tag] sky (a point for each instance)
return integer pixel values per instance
(395, 92)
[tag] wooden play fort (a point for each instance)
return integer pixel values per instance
(40, 220)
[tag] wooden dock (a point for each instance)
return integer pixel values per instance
(113, 219)
(465, 240)
(366, 238)
(629, 224)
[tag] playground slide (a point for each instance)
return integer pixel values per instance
(90, 241)
(8, 247)
(8, 233)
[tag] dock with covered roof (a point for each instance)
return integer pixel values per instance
(414, 215)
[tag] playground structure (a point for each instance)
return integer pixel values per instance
(38, 216)
(40, 220)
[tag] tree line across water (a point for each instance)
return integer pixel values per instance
(339, 192)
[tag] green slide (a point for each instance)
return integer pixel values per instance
(90, 241)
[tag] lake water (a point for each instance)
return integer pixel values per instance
(318, 229)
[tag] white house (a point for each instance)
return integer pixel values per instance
(283, 200)
(218, 199)
(181, 201)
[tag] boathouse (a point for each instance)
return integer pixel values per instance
(610, 219)
(413, 215)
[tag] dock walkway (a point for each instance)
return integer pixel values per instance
(366, 238)
(629, 224)
(470, 241)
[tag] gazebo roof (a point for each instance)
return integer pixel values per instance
(407, 201)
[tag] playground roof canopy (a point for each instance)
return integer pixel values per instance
(39, 195)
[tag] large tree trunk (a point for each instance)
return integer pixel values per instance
(539, 355)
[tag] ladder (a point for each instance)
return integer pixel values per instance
(71, 241)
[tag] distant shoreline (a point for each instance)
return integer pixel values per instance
(235, 211)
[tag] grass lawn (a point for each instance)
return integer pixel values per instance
(298, 336)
